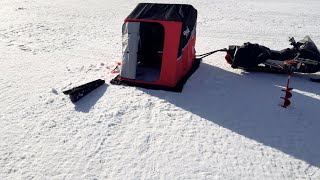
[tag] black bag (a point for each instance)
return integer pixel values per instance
(250, 55)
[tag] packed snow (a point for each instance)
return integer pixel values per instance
(226, 124)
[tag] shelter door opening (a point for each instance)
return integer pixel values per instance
(150, 51)
(142, 50)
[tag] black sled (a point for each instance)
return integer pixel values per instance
(79, 92)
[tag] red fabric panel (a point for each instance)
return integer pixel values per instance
(170, 52)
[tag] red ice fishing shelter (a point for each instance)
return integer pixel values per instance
(158, 46)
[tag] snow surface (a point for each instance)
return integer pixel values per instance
(226, 124)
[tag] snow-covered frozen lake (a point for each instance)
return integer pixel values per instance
(226, 124)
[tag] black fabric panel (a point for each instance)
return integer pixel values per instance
(151, 43)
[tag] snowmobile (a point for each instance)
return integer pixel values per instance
(303, 57)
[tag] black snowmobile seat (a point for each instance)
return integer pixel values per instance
(285, 54)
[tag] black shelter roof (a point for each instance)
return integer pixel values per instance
(166, 12)
(184, 13)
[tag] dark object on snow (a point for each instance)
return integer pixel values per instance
(303, 57)
(315, 80)
(79, 92)
(158, 45)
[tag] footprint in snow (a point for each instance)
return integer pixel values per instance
(54, 91)
(24, 48)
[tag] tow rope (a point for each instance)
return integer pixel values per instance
(201, 56)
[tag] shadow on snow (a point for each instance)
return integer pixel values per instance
(87, 102)
(249, 104)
